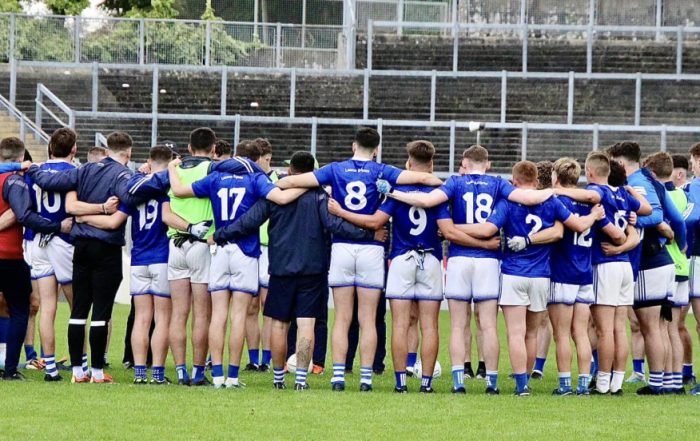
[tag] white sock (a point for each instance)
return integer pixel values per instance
(617, 379)
(218, 381)
(603, 382)
(231, 382)
(78, 372)
(98, 374)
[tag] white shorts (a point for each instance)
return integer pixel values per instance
(233, 271)
(55, 259)
(150, 279)
(472, 278)
(680, 294)
(524, 291)
(694, 277)
(27, 246)
(356, 265)
(613, 284)
(654, 286)
(190, 261)
(568, 294)
(406, 281)
(263, 267)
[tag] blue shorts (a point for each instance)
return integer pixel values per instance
(291, 297)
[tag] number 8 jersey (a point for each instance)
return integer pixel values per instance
(473, 198)
(354, 184)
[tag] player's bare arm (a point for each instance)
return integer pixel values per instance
(631, 242)
(479, 231)
(615, 233)
(104, 222)
(548, 235)
(408, 177)
(284, 197)
(581, 224)
(579, 194)
(304, 180)
(179, 190)
(530, 196)
(79, 208)
(453, 234)
(368, 221)
(173, 220)
(421, 200)
(7, 219)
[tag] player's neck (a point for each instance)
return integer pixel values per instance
(526, 186)
(597, 180)
(631, 168)
(122, 159)
(362, 156)
(68, 159)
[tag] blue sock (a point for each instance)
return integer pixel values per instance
(267, 357)
(411, 360)
(254, 356)
(232, 371)
(4, 329)
(687, 370)
(458, 376)
(29, 352)
(85, 363)
(301, 376)
(565, 381)
(158, 373)
(656, 380)
(667, 381)
(51, 365)
(638, 365)
(677, 380)
(426, 381)
(492, 379)
(338, 373)
(583, 382)
(182, 374)
(140, 372)
(539, 364)
(217, 370)
(197, 372)
(520, 381)
(279, 374)
(594, 364)
(400, 378)
(366, 375)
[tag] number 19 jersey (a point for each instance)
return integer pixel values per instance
(148, 232)
(354, 184)
(473, 198)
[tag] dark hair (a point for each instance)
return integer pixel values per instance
(544, 174)
(62, 142)
(265, 146)
(161, 154)
(628, 150)
(695, 149)
(248, 149)
(367, 138)
(476, 153)
(617, 177)
(222, 148)
(660, 163)
(11, 149)
(302, 162)
(525, 172)
(421, 151)
(28, 156)
(680, 161)
(118, 142)
(202, 140)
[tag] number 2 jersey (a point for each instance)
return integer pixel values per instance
(231, 196)
(49, 204)
(148, 232)
(354, 184)
(520, 220)
(473, 198)
(414, 228)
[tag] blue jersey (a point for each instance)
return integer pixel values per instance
(28, 232)
(148, 232)
(50, 204)
(231, 196)
(472, 198)
(354, 184)
(570, 261)
(520, 220)
(413, 227)
(618, 205)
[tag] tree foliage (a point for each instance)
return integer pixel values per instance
(67, 7)
(10, 6)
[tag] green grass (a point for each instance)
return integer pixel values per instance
(35, 410)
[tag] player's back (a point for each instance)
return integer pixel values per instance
(473, 197)
(192, 210)
(414, 228)
(51, 205)
(148, 232)
(618, 205)
(570, 260)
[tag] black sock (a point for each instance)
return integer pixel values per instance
(98, 344)
(468, 366)
(76, 341)
(482, 366)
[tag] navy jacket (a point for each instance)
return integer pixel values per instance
(16, 193)
(95, 183)
(299, 233)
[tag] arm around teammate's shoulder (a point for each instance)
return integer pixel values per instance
(530, 197)
(247, 224)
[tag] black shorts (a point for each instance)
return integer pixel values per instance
(15, 278)
(291, 297)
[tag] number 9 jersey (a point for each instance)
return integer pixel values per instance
(354, 184)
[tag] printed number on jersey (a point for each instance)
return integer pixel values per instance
(583, 239)
(355, 199)
(51, 202)
(536, 223)
(419, 219)
(479, 208)
(148, 213)
(225, 194)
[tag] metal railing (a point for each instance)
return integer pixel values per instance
(44, 92)
(24, 122)
(524, 30)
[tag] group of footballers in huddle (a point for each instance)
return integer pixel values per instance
(588, 260)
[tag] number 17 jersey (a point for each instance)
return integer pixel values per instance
(354, 184)
(473, 198)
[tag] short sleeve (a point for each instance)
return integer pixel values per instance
(561, 213)
(449, 187)
(163, 199)
(201, 188)
(126, 209)
(442, 211)
(389, 206)
(390, 173)
(324, 175)
(263, 185)
(499, 215)
(505, 189)
(633, 203)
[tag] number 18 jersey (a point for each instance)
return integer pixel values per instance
(473, 198)
(354, 184)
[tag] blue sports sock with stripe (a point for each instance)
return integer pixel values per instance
(338, 373)
(492, 379)
(426, 381)
(400, 379)
(85, 364)
(638, 365)
(583, 382)
(278, 375)
(520, 381)
(411, 359)
(197, 372)
(366, 375)
(594, 364)
(51, 365)
(140, 372)
(266, 356)
(539, 364)
(254, 356)
(458, 377)
(565, 381)
(656, 381)
(301, 376)
(158, 373)
(29, 352)
(182, 374)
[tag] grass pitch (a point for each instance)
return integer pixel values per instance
(36, 410)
